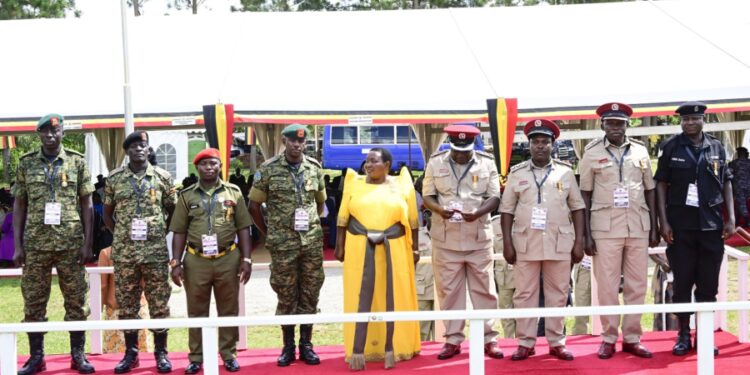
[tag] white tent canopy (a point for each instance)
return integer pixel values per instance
(386, 61)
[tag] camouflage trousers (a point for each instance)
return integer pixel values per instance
(134, 279)
(36, 282)
(296, 277)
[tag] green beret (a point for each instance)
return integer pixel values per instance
(295, 131)
(52, 119)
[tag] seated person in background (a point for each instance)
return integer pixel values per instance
(663, 293)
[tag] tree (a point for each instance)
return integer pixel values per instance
(23, 9)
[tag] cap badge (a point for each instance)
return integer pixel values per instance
(538, 123)
(56, 122)
(615, 107)
(461, 135)
(696, 108)
(300, 133)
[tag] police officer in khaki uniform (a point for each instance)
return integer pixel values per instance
(540, 199)
(461, 188)
(582, 293)
(504, 280)
(425, 281)
(618, 187)
(207, 218)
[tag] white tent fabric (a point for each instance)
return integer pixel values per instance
(422, 60)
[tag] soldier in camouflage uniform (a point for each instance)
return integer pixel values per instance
(292, 187)
(52, 227)
(208, 217)
(140, 198)
(741, 171)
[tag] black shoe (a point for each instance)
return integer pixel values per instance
(163, 365)
(287, 353)
(232, 365)
(306, 352)
(78, 359)
(683, 345)
(36, 362)
(193, 368)
(130, 360)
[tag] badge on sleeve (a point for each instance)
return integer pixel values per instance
(257, 175)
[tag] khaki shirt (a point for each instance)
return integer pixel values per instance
(600, 173)
(228, 214)
(503, 271)
(559, 196)
(425, 279)
(480, 183)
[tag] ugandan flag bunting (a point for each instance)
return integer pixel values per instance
(249, 136)
(219, 122)
(7, 142)
(503, 116)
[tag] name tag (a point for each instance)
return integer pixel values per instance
(620, 196)
(138, 230)
(692, 196)
(539, 218)
(301, 220)
(510, 267)
(210, 244)
(586, 262)
(457, 207)
(52, 213)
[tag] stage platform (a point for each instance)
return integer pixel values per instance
(734, 359)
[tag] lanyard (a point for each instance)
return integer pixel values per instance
(208, 205)
(701, 157)
(51, 178)
(540, 184)
(299, 183)
(622, 158)
(458, 184)
(139, 192)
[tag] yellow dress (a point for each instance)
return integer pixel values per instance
(378, 207)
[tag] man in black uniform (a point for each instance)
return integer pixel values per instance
(693, 180)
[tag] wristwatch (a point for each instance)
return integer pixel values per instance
(174, 263)
(249, 261)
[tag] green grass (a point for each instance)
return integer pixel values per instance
(194, 147)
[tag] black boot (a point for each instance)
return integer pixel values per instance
(163, 365)
(306, 352)
(683, 345)
(36, 362)
(287, 353)
(78, 359)
(130, 361)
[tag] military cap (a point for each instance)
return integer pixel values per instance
(541, 126)
(295, 131)
(692, 109)
(52, 119)
(136, 136)
(206, 154)
(617, 111)
(461, 137)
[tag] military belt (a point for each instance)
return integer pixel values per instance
(222, 251)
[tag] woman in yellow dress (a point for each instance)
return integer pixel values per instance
(379, 271)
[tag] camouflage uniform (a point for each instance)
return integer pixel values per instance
(136, 260)
(425, 282)
(48, 246)
(296, 257)
(741, 184)
(506, 286)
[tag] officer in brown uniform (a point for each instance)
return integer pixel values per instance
(425, 282)
(461, 188)
(504, 280)
(618, 187)
(540, 199)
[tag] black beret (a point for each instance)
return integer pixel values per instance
(136, 136)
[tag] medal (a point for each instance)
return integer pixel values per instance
(64, 180)
(559, 186)
(716, 168)
(153, 195)
(475, 179)
(230, 212)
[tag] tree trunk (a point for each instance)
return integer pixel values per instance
(6, 163)
(137, 7)
(195, 6)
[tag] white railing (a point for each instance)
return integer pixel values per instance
(476, 319)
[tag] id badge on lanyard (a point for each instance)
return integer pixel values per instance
(539, 218)
(210, 244)
(301, 220)
(138, 230)
(620, 196)
(52, 213)
(692, 196)
(457, 208)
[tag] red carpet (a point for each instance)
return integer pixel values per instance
(733, 359)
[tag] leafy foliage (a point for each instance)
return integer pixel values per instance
(23, 9)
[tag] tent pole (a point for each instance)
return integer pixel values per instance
(129, 127)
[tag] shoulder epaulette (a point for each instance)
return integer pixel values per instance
(232, 186)
(709, 136)
(636, 141)
(162, 172)
(74, 152)
(272, 160)
(116, 171)
(593, 143)
(484, 154)
(312, 160)
(439, 153)
(189, 188)
(556, 161)
(30, 153)
(519, 166)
